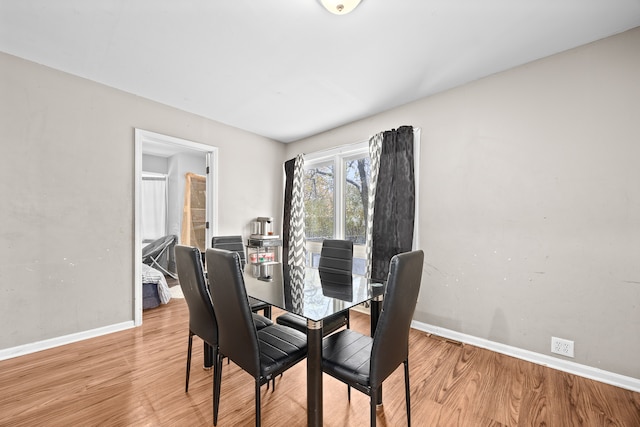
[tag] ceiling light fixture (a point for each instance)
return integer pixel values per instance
(340, 7)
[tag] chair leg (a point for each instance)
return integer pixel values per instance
(406, 391)
(349, 393)
(186, 387)
(374, 400)
(273, 380)
(267, 312)
(217, 382)
(257, 403)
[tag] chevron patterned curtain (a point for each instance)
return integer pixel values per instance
(294, 245)
(375, 148)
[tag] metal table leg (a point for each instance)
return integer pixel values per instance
(314, 373)
(208, 357)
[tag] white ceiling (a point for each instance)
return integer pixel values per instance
(287, 69)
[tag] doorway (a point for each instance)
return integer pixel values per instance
(181, 158)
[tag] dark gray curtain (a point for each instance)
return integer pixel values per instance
(289, 167)
(394, 209)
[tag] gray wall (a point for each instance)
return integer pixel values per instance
(530, 203)
(67, 180)
(155, 164)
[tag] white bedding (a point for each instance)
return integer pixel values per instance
(151, 275)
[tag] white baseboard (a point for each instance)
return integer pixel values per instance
(585, 371)
(21, 350)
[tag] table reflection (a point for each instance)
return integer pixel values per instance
(320, 295)
(336, 285)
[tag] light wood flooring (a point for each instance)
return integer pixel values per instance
(136, 378)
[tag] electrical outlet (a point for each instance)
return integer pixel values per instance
(562, 347)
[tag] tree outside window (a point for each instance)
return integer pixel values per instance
(357, 176)
(336, 194)
(319, 202)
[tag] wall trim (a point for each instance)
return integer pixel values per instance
(585, 371)
(24, 349)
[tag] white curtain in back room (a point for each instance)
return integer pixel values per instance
(154, 207)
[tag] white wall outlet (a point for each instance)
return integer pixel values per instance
(562, 347)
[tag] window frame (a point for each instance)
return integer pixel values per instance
(339, 156)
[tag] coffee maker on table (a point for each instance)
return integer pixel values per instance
(263, 228)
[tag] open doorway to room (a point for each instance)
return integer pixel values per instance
(175, 203)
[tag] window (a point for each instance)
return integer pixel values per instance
(319, 201)
(336, 194)
(357, 174)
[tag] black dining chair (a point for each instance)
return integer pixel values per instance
(202, 318)
(363, 362)
(335, 268)
(234, 244)
(336, 256)
(263, 353)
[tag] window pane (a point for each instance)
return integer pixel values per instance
(356, 199)
(319, 190)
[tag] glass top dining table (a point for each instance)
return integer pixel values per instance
(321, 295)
(316, 297)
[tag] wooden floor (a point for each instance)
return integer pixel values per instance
(136, 378)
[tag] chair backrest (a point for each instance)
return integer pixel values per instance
(336, 256)
(230, 243)
(202, 319)
(238, 338)
(391, 339)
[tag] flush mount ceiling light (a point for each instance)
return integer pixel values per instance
(340, 7)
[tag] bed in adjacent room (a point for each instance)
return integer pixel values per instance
(155, 290)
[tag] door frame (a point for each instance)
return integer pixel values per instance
(211, 154)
